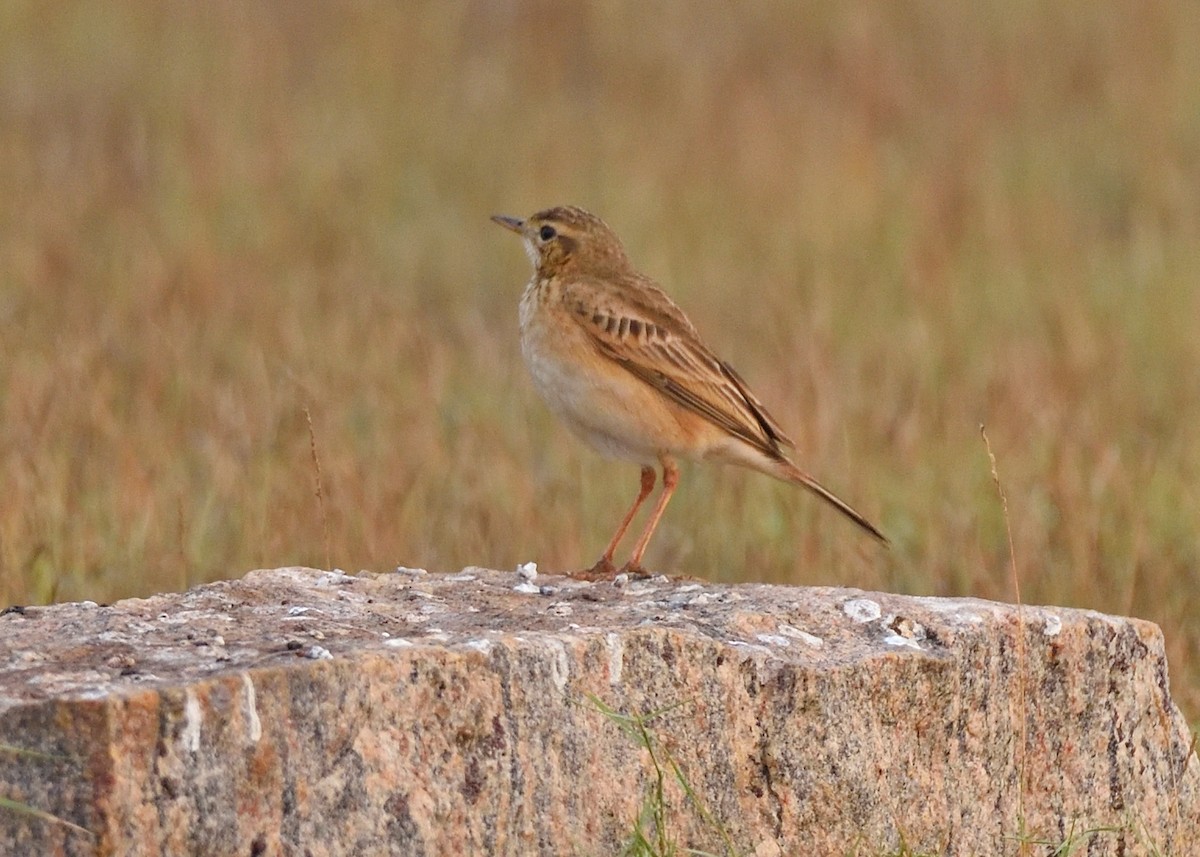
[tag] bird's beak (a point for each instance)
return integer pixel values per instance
(516, 224)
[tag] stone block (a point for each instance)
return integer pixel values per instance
(301, 712)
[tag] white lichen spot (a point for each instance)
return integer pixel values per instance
(527, 571)
(905, 627)
(193, 716)
(616, 657)
(897, 640)
(773, 639)
(862, 610)
(253, 724)
(968, 611)
(527, 588)
(186, 617)
(560, 664)
(686, 599)
(803, 636)
(1053, 625)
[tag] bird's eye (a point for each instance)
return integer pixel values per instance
(546, 232)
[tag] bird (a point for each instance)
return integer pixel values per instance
(622, 365)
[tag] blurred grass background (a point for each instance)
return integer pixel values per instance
(898, 220)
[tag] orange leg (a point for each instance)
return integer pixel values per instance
(670, 480)
(604, 566)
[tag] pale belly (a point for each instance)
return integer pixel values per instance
(613, 411)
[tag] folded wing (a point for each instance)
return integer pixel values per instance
(642, 330)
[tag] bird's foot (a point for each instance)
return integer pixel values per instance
(602, 570)
(635, 572)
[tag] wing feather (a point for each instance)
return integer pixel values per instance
(637, 326)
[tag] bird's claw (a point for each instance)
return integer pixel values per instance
(602, 570)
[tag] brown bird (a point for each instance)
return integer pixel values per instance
(621, 364)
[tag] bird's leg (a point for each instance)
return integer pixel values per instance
(604, 566)
(670, 480)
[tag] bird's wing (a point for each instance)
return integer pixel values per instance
(634, 323)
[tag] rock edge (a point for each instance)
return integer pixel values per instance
(298, 711)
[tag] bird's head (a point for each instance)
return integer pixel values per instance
(566, 238)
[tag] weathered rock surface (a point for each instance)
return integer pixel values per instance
(313, 713)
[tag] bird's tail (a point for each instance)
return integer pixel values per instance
(791, 473)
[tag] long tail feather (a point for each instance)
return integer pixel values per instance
(792, 473)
